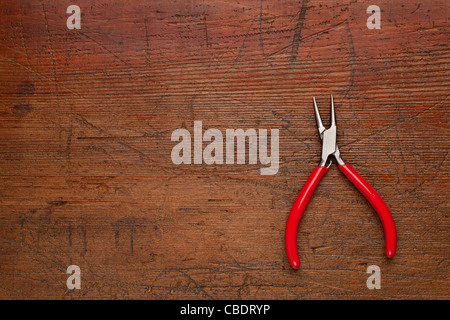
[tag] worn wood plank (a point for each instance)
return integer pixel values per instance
(85, 138)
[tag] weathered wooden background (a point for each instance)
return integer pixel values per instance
(86, 176)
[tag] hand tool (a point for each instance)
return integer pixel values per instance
(330, 148)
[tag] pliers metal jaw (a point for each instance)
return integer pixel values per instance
(330, 148)
(328, 137)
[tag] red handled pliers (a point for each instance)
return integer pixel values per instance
(330, 148)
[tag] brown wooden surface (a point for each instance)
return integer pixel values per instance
(86, 176)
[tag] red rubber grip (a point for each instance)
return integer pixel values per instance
(296, 214)
(378, 204)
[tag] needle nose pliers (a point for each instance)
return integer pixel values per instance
(330, 148)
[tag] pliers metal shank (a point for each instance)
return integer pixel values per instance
(328, 136)
(330, 148)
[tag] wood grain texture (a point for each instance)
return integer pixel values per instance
(86, 176)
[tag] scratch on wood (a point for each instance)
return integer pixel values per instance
(206, 32)
(197, 286)
(23, 42)
(243, 43)
(115, 56)
(52, 57)
(310, 36)
(353, 59)
(298, 32)
(147, 50)
(261, 41)
(57, 203)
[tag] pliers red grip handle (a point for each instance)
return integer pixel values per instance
(305, 195)
(390, 233)
(300, 204)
